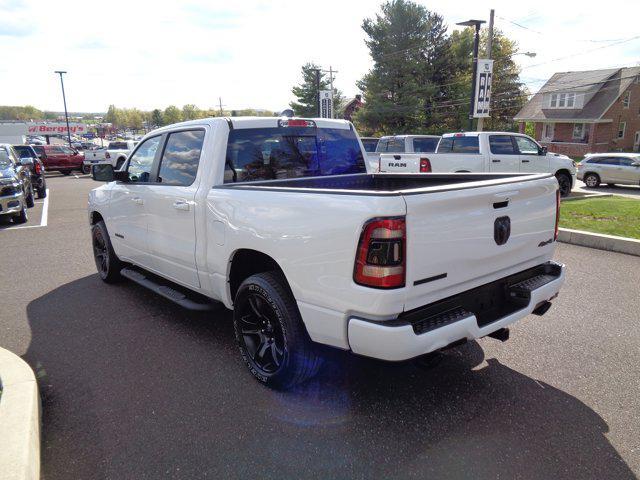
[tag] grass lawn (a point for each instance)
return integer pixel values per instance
(612, 216)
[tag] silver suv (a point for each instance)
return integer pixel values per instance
(610, 168)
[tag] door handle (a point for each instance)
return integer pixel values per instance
(525, 161)
(137, 200)
(495, 160)
(182, 205)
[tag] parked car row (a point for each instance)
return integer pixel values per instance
(16, 184)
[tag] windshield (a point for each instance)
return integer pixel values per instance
(5, 160)
(291, 152)
(118, 146)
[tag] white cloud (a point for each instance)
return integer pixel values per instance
(155, 54)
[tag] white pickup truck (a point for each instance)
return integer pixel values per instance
(401, 144)
(115, 154)
(486, 152)
(279, 220)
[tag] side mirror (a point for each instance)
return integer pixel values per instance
(26, 162)
(102, 172)
(542, 151)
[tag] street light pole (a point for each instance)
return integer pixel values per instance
(64, 100)
(476, 43)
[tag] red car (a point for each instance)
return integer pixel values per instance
(60, 158)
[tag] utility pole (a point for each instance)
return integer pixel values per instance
(489, 47)
(220, 105)
(333, 105)
(476, 43)
(64, 100)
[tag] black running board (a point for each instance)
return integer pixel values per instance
(153, 283)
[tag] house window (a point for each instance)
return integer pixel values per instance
(621, 128)
(547, 132)
(578, 131)
(627, 100)
(562, 100)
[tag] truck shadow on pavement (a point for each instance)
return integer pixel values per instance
(135, 387)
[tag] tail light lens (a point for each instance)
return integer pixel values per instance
(555, 234)
(425, 165)
(106, 155)
(381, 255)
(37, 168)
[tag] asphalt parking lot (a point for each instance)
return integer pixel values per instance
(134, 387)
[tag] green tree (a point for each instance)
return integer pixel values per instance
(306, 93)
(191, 112)
(156, 118)
(409, 48)
(172, 114)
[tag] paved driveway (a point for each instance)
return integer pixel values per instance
(134, 387)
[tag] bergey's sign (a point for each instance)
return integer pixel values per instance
(56, 128)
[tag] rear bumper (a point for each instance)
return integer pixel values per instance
(472, 314)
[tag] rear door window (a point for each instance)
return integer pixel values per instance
(425, 145)
(291, 152)
(369, 145)
(179, 163)
(501, 145)
(461, 144)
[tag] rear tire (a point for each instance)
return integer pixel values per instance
(65, 172)
(22, 217)
(107, 262)
(86, 169)
(592, 180)
(272, 339)
(29, 200)
(42, 191)
(119, 163)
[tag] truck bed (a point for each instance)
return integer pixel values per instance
(387, 183)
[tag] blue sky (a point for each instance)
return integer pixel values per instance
(250, 52)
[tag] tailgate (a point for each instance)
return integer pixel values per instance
(451, 236)
(400, 163)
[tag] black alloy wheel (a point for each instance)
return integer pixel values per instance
(100, 253)
(262, 334)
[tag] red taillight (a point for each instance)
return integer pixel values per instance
(425, 165)
(297, 123)
(555, 233)
(381, 257)
(37, 168)
(106, 155)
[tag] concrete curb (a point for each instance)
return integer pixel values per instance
(600, 241)
(19, 419)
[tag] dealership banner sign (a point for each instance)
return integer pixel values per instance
(55, 128)
(483, 88)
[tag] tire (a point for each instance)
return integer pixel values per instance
(270, 334)
(107, 262)
(119, 163)
(564, 181)
(42, 191)
(29, 200)
(22, 217)
(65, 172)
(86, 169)
(591, 180)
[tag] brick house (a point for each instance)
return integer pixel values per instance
(587, 112)
(351, 107)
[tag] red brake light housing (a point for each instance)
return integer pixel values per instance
(296, 122)
(37, 168)
(425, 165)
(555, 233)
(381, 255)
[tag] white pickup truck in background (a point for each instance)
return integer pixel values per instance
(279, 220)
(402, 144)
(500, 152)
(115, 154)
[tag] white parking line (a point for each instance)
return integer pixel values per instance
(43, 219)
